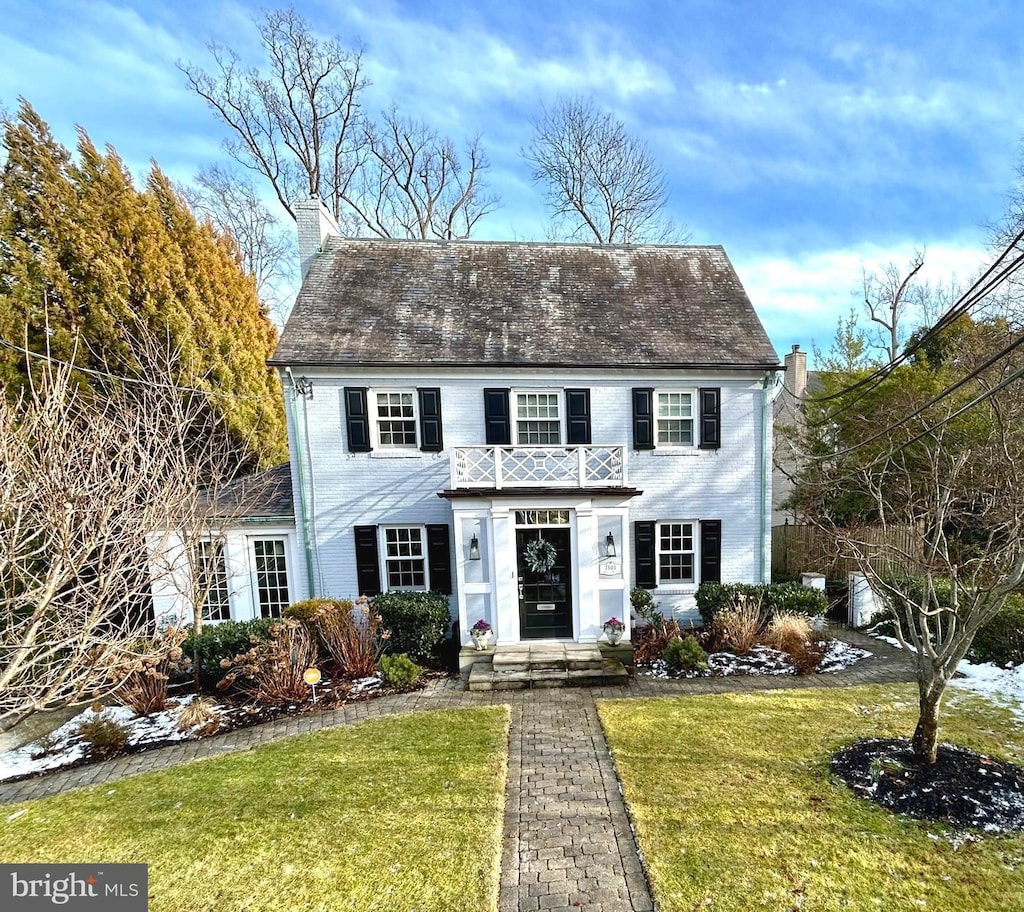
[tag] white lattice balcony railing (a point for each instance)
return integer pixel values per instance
(538, 466)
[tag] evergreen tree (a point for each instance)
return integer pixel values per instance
(109, 277)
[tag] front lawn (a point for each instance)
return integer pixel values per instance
(400, 813)
(735, 809)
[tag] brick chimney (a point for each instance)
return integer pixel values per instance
(315, 224)
(796, 372)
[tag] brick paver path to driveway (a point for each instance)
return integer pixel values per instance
(567, 840)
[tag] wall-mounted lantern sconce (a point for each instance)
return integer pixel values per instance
(609, 545)
(304, 388)
(474, 548)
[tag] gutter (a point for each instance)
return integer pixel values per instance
(769, 393)
(300, 475)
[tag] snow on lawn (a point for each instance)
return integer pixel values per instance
(64, 746)
(1001, 685)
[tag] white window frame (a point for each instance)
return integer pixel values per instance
(257, 601)
(658, 418)
(218, 587)
(559, 396)
(693, 551)
(386, 557)
(374, 408)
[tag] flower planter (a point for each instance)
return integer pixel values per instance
(481, 640)
(614, 635)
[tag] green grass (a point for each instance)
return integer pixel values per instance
(400, 813)
(735, 809)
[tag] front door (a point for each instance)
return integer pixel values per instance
(545, 591)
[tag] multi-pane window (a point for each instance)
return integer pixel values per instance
(542, 517)
(271, 576)
(396, 419)
(404, 557)
(675, 552)
(675, 419)
(213, 581)
(538, 422)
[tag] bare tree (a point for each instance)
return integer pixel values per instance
(600, 183)
(298, 123)
(415, 184)
(954, 470)
(231, 203)
(889, 295)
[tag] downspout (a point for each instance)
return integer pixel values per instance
(769, 393)
(300, 475)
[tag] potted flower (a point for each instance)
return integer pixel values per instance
(481, 633)
(613, 630)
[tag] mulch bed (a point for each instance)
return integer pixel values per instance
(962, 788)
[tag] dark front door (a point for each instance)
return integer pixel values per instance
(545, 595)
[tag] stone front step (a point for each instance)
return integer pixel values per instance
(535, 665)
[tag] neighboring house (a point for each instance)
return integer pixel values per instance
(452, 404)
(789, 414)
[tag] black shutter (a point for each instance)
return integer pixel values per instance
(357, 420)
(496, 417)
(577, 412)
(439, 558)
(646, 571)
(643, 419)
(710, 420)
(711, 551)
(431, 438)
(367, 560)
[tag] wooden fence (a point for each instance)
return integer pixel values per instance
(800, 549)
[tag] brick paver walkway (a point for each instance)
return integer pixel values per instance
(567, 841)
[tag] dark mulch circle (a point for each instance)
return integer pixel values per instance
(962, 788)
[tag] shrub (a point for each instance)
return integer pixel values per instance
(788, 631)
(352, 635)
(223, 641)
(271, 672)
(645, 606)
(417, 621)
(807, 657)
(714, 598)
(144, 690)
(304, 610)
(198, 714)
(104, 736)
(738, 628)
(398, 670)
(1001, 640)
(685, 654)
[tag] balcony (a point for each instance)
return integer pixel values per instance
(501, 467)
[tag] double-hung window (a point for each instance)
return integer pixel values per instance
(405, 557)
(674, 417)
(538, 418)
(213, 581)
(396, 418)
(676, 552)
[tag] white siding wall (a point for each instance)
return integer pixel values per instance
(354, 489)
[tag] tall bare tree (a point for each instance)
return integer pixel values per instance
(415, 184)
(300, 124)
(599, 182)
(231, 203)
(890, 294)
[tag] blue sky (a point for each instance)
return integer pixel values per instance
(810, 139)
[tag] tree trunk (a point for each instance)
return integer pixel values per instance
(926, 736)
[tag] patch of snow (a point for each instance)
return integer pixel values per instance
(763, 660)
(365, 684)
(1001, 685)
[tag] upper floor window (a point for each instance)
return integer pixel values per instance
(405, 557)
(676, 552)
(538, 418)
(674, 419)
(396, 418)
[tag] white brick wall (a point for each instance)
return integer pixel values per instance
(354, 489)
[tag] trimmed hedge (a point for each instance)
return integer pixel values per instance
(418, 622)
(773, 598)
(224, 640)
(1001, 640)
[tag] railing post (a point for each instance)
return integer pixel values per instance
(581, 460)
(622, 465)
(498, 474)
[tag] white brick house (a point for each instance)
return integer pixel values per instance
(451, 403)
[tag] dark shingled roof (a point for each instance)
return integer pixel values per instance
(373, 302)
(264, 495)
